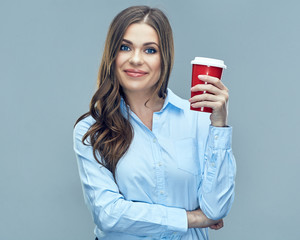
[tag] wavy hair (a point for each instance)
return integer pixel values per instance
(111, 134)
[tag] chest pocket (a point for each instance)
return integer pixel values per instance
(186, 155)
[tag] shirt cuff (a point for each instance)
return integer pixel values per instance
(220, 137)
(177, 220)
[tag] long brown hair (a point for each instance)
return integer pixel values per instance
(111, 134)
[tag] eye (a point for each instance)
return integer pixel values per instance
(124, 48)
(150, 50)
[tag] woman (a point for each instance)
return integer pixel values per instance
(150, 167)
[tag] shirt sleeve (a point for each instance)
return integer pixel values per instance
(110, 211)
(216, 191)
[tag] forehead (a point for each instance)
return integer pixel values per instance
(141, 32)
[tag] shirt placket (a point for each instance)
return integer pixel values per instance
(158, 161)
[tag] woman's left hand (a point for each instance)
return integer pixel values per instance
(215, 97)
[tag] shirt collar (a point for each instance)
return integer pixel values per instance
(173, 100)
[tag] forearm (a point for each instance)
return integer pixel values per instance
(216, 192)
(197, 219)
(111, 211)
(138, 218)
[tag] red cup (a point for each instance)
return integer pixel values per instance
(205, 66)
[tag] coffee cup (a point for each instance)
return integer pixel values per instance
(205, 66)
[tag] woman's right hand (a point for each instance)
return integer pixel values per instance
(218, 225)
(197, 219)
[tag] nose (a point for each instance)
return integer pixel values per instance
(136, 58)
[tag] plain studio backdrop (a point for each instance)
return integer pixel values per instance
(50, 51)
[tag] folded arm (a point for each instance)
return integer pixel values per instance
(110, 210)
(216, 191)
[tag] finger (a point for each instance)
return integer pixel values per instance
(219, 95)
(213, 80)
(214, 227)
(221, 223)
(213, 105)
(207, 97)
(207, 88)
(217, 228)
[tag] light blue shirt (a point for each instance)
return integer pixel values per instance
(182, 164)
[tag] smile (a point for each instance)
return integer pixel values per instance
(135, 73)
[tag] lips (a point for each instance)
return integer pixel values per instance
(135, 73)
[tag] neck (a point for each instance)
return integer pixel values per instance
(139, 102)
(144, 105)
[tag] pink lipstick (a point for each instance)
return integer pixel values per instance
(135, 72)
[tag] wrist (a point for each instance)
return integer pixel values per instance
(190, 219)
(219, 124)
(197, 219)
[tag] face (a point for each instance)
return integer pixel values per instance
(138, 60)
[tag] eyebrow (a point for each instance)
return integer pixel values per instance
(145, 44)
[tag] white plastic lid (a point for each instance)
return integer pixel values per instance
(209, 62)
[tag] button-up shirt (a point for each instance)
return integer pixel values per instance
(184, 163)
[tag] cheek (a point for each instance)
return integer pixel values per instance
(118, 64)
(118, 61)
(156, 65)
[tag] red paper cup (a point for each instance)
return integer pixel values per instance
(205, 66)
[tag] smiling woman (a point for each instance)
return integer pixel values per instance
(138, 62)
(150, 167)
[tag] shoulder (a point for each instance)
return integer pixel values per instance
(177, 101)
(83, 126)
(184, 106)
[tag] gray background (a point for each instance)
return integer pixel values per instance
(49, 57)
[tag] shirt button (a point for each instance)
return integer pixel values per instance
(162, 192)
(160, 164)
(154, 140)
(213, 164)
(216, 137)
